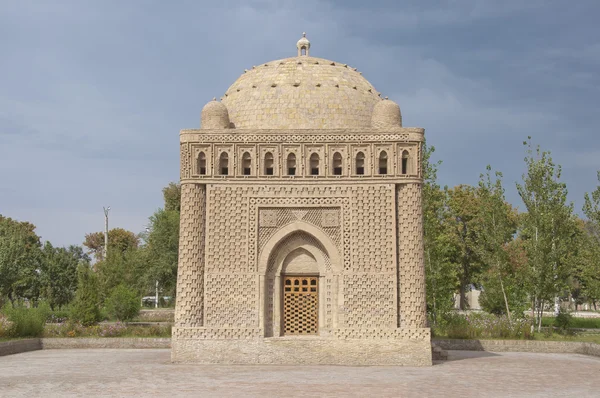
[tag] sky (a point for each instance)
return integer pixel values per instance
(93, 94)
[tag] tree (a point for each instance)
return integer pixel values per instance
(588, 266)
(86, 306)
(548, 228)
(127, 268)
(162, 249)
(497, 225)
(20, 257)
(464, 220)
(123, 303)
(172, 197)
(58, 273)
(591, 206)
(119, 240)
(439, 271)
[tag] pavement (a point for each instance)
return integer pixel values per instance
(149, 373)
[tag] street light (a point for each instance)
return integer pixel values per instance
(106, 210)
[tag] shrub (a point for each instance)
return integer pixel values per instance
(123, 304)
(563, 320)
(26, 322)
(71, 329)
(5, 326)
(58, 316)
(480, 325)
(85, 308)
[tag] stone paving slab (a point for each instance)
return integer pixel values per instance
(148, 373)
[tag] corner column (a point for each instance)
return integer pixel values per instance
(412, 310)
(190, 273)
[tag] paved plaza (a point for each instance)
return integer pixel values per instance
(123, 373)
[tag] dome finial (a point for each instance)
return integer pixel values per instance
(303, 45)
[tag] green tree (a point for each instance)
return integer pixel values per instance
(162, 249)
(20, 256)
(119, 240)
(127, 268)
(464, 224)
(86, 306)
(497, 225)
(548, 228)
(591, 206)
(589, 260)
(439, 271)
(58, 273)
(123, 303)
(172, 197)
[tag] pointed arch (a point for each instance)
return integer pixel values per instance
(405, 162)
(201, 164)
(383, 162)
(224, 164)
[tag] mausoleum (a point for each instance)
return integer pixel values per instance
(301, 236)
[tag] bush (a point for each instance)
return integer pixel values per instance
(123, 304)
(563, 320)
(479, 325)
(71, 329)
(85, 308)
(26, 322)
(58, 316)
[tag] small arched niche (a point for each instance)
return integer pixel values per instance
(383, 162)
(224, 164)
(337, 164)
(246, 164)
(405, 162)
(201, 163)
(291, 164)
(360, 163)
(268, 164)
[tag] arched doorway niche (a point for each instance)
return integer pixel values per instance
(301, 249)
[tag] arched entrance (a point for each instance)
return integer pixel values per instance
(299, 268)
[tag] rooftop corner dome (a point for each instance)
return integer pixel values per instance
(301, 92)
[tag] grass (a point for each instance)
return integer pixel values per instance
(578, 323)
(582, 337)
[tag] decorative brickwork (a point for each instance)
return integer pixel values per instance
(231, 300)
(190, 273)
(216, 333)
(301, 173)
(411, 266)
(369, 300)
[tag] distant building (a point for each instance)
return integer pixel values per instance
(301, 223)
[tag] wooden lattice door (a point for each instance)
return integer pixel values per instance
(300, 304)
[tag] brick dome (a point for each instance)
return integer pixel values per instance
(301, 92)
(386, 114)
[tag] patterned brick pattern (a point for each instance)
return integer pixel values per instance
(190, 274)
(411, 265)
(227, 229)
(231, 300)
(369, 300)
(216, 333)
(373, 229)
(383, 334)
(272, 219)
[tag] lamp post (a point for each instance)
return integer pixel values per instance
(106, 210)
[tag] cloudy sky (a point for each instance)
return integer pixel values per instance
(93, 93)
